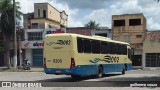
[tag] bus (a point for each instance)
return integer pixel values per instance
(80, 55)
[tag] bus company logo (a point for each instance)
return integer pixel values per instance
(96, 60)
(38, 44)
(110, 59)
(60, 42)
(63, 42)
(107, 58)
(55, 31)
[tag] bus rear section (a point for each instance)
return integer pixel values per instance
(57, 54)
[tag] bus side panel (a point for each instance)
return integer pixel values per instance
(115, 67)
(93, 69)
(84, 70)
(129, 66)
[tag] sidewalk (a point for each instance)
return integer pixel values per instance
(33, 69)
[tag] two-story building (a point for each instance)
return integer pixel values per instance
(45, 16)
(44, 20)
(130, 28)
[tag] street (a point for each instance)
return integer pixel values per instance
(110, 80)
(134, 75)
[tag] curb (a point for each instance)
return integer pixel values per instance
(21, 70)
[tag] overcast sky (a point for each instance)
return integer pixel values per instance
(81, 11)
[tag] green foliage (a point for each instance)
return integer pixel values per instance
(92, 24)
(7, 16)
(7, 24)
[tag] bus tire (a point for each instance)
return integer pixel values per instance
(76, 76)
(123, 71)
(100, 72)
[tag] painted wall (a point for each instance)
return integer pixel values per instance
(152, 42)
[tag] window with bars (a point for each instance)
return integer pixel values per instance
(152, 59)
(32, 36)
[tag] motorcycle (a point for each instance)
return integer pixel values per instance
(26, 65)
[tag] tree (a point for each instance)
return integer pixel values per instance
(7, 26)
(92, 24)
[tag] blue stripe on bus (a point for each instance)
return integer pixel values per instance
(87, 69)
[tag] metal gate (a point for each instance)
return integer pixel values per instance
(152, 59)
(137, 60)
(37, 57)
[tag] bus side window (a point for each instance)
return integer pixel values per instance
(104, 47)
(80, 45)
(124, 49)
(117, 48)
(111, 48)
(120, 49)
(87, 45)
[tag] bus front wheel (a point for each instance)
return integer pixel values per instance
(100, 72)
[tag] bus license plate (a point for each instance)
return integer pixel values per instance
(58, 72)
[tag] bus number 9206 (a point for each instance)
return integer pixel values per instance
(57, 60)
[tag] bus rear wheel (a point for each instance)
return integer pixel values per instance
(100, 72)
(123, 71)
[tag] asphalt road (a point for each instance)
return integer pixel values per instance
(63, 82)
(134, 75)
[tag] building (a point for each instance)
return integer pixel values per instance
(151, 50)
(33, 45)
(79, 30)
(45, 16)
(44, 20)
(103, 31)
(130, 28)
(100, 31)
(26, 20)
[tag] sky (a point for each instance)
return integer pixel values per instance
(82, 11)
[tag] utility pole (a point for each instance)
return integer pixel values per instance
(15, 37)
(19, 47)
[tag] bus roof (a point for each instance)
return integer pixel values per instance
(89, 37)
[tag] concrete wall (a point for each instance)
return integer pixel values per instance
(132, 31)
(151, 46)
(41, 6)
(45, 22)
(53, 13)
